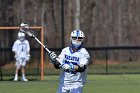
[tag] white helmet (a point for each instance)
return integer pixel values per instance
(21, 36)
(77, 38)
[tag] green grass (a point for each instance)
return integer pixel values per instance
(116, 68)
(95, 84)
(113, 84)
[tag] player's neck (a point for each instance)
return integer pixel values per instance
(74, 50)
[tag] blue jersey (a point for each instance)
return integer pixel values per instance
(81, 57)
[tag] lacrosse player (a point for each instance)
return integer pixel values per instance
(21, 49)
(73, 61)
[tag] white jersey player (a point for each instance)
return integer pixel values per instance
(21, 49)
(73, 60)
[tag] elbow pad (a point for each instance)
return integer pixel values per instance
(82, 69)
(56, 66)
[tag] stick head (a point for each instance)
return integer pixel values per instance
(25, 29)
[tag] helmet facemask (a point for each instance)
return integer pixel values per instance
(76, 39)
(77, 42)
(21, 36)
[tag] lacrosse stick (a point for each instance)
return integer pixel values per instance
(27, 30)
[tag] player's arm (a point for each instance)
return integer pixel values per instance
(16, 55)
(54, 59)
(81, 67)
(83, 63)
(72, 67)
(78, 68)
(28, 51)
(57, 65)
(14, 49)
(28, 56)
(28, 47)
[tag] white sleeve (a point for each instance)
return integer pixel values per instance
(84, 60)
(62, 57)
(14, 48)
(28, 46)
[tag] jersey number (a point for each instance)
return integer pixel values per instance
(23, 48)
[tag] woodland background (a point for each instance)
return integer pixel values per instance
(105, 22)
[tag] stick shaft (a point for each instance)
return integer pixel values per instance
(45, 48)
(42, 44)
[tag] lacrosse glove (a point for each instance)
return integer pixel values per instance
(16, 57)
(53, 57)
(28, 57)
(67, 67)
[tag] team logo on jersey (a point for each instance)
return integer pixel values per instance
(73, 58)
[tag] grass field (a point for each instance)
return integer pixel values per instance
(95, 84)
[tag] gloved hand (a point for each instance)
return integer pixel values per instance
(69, 67)
(16, 57)
(52, 56)
(27, 57)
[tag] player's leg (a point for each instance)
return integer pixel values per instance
(76, 90)
(23, 74)
(23, 70)
(62, 89)
(16, 75)
(18, 65)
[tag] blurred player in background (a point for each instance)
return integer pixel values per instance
(21, 48)
(73, 60)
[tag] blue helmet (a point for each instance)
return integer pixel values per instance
(76, 39)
